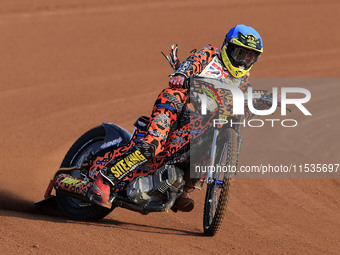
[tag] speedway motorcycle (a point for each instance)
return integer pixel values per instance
(158, 191)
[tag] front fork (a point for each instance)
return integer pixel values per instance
(211, 175)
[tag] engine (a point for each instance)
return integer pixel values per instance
(156, 187)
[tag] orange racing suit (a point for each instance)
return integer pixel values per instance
(170, 112)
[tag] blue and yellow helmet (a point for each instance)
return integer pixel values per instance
(241, 48)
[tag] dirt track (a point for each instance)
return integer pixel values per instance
(69, 66)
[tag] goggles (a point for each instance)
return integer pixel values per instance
(242, 56)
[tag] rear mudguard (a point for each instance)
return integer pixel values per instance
(114, 135)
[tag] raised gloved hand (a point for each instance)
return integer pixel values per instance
(177, 82)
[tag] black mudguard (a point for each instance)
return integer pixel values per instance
(115, 133)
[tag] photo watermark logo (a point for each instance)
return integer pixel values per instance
(220, 108)
(238, 101)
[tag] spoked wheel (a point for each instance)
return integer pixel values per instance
(219, 185)
(74, 208)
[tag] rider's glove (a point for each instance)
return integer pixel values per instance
(177, 81)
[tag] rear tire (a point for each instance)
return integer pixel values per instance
(215, 205)
(73, 208)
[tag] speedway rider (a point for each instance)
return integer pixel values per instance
(241, 48)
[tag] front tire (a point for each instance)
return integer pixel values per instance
(73, 208)
(218, 190)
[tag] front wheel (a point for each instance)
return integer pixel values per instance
(219, 187)
(73, 208)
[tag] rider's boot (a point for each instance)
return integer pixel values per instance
(100, 193)
(184, 203)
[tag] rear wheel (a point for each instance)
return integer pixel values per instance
(73, 208)
(219, 186)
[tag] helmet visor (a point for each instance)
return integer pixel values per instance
(242, 56)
